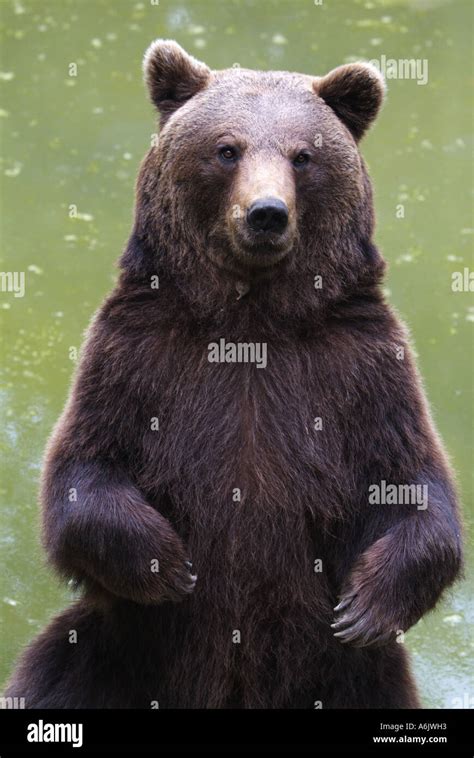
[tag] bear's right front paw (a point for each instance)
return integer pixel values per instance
(167, 578)
(180, 581)
(147, 563)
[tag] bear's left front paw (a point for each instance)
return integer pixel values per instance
(374, 606)
(361, 621)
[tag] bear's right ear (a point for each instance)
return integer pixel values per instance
(172, 76)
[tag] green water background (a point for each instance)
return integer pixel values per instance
(69, 140)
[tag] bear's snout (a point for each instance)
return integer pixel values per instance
(268, 215)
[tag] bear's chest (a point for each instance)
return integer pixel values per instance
(246, 422)
(249, 464)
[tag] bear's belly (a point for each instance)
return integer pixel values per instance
(256, 487)
(251, 481)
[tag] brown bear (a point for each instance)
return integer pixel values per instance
(245, 481)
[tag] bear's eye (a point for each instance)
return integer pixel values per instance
(301, 159)
(228, 154)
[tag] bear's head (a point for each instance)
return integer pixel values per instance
(256, 187)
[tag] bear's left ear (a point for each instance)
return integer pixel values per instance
(355, 92)
(172, 76)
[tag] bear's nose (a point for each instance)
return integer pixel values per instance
(268, 215)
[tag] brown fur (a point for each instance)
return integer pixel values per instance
(168, 494)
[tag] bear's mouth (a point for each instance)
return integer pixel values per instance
(260, 249)
(249, 255)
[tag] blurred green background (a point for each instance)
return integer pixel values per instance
(78, 140)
